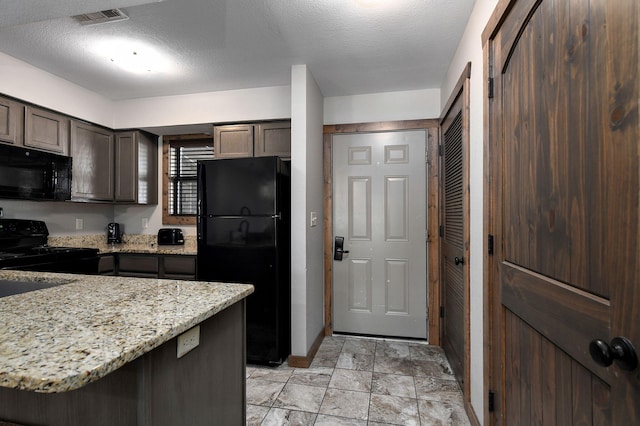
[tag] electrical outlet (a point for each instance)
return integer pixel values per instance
(188, 340)
(145, 222)
(79, 223)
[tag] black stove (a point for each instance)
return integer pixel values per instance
(23, 245)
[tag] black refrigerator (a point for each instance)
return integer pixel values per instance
(244, 231)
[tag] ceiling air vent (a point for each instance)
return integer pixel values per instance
(109, 15)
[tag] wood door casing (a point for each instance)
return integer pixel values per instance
(433, 250)
(563, 208)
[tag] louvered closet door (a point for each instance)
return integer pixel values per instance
(453, 245)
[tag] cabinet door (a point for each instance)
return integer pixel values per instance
(273, 139)
(11, 123)
(136, 176)
(46, 131)
(107, 265)
(138, 265)
(92, 149)
(147, 168)
(126, 167)
(234, 141)
(178, 267)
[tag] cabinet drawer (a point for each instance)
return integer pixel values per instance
(179, 265)
(138, 264)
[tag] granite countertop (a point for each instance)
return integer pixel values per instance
(65, 337)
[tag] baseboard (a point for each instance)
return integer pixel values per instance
(305, 361)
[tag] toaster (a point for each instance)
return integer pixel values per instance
(170, 236)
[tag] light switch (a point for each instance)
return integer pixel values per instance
(314, 219)
(79, 223)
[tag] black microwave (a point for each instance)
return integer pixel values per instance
(28, 174)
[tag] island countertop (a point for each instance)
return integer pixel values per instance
(62, 338)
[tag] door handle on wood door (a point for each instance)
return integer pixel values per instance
(338, 250)
(458, 260)
(621, 350)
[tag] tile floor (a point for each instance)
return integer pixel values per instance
(358, 381)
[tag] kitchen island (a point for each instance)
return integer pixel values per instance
(102, 350)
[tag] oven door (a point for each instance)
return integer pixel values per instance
(84, 262)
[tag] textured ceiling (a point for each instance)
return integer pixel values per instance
(208, 45)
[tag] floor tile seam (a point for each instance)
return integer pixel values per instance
(373, 367)
(269, 380)
(293, 409)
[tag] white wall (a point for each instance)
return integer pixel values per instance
(263, 103)
(28, 83)
(389, 106)
(307, 282)
(470, 50)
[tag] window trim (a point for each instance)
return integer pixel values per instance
(167, 140)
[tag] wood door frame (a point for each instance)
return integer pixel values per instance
(461, 95)
(492, 225)
(432, 197)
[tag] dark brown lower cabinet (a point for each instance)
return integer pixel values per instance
(169, 266)
(204, 387)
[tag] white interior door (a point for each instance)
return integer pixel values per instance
(379, 208)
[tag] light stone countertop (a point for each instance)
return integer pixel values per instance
(65, 337)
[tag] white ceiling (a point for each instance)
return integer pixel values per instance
(209, 45)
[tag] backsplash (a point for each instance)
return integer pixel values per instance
(131, 243)
(61, 216)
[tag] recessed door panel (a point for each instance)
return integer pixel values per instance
(360, 285)
(360, 208)
(396, 218)
(397, 282)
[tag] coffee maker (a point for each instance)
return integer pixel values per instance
(114, 233)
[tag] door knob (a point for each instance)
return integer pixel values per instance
(621, 351)
(458, 260)
(338, 250)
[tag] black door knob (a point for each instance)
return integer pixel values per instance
(621, 351)
(458, 260)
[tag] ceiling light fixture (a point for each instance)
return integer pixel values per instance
(134, 56)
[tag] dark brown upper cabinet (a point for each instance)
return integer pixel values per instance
(253, 140)
(11, 122)
(273, 139)
(92, 150)
(136, 173)
(46, 130)
(113, 166)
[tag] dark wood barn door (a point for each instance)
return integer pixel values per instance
(564, 189)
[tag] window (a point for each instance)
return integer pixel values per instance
(180, 158)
